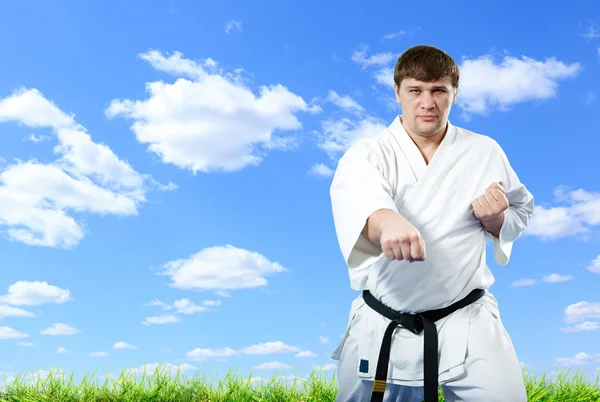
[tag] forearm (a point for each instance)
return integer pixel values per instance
(372, 228)
(494, 226)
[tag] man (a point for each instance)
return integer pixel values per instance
(413, 207)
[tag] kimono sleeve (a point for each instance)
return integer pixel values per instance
(359, 188)
(516, 217)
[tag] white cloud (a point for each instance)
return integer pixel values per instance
(231, 24)
(584, 326)
(185, 306)
(344, 102)
(339, 135)
(123, 345)
(25, 343)
(385, 76)
(595, 265)
(9, 333)
(395, 35)
(321, 170)
(578, 217)
(580, 358)
(325, 367)
(213, 122)
(159, 304)
(23, 293)
(60, 329)
(306, 353)
(9, 311)
(162, 319)
(267, 348)
(590, 31)
(98, 354)
(37, 138)
(211, 303)
(226, 267)
(555, 278)
(199, 354)
(272, 366)
(581, 311)
(486, 84)
(36, 199)
(379, 59)
(524, 282)
(223, 293)
(62, 350)
(323, 339)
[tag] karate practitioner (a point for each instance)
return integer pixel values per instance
(413, 207)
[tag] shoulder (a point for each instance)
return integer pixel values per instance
(477, 141)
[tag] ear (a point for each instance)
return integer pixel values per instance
(455, 95)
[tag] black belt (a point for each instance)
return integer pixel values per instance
(414, 323)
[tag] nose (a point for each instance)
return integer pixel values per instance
(426, 100)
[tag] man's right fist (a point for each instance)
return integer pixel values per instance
(401, 241)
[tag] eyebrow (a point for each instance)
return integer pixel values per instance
(419, 87)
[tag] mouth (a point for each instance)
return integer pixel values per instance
(428, 118)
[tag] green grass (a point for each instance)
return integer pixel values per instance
(160, 386)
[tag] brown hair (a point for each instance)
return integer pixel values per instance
(426, 63)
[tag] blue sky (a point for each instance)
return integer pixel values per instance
(165, 172)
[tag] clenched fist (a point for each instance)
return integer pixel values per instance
(401, 241)
(490, 206)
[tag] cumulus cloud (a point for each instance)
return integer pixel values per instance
(325, 367)
(267, 348)
(9, 311)
(60, 329)
(62, 350)
(323, 339)
(25, 293)
(209, 120)
(487, 85)
(216, 268)
(9, 333)
(595, 265)
(321, 170)
(123, 345)
(161, 319)
(579, 214)
(378, 59)
(555, 278)
(581, 311)
(580, 358)
(524, 282)
(98, 354)
(306, 353)
(38, 200)
(584, 326)
(338, 135)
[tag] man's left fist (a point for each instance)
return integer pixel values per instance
(490, 206)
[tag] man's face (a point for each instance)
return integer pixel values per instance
(425, 105)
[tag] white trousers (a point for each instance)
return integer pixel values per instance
(492, 369)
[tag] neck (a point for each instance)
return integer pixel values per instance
(426, 142)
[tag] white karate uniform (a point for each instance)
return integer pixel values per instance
(477, 361)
